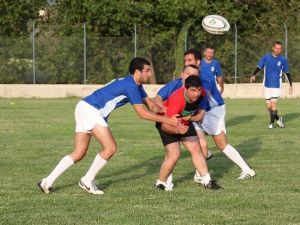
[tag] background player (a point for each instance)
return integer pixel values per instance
(185, 102)
(274, 64)
(211, 67)
(91, 116)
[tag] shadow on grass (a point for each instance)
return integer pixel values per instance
(239, 119)
(247, 149)
(290, 117)
(152, 165)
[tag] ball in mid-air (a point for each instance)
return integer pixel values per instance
(215, 24)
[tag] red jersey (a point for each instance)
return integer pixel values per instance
(178, 104)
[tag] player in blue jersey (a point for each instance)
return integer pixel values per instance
(274, 64)
(211, 67)
(91, 115)
(214, 120)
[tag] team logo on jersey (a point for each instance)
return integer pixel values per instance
(278, 63)
(212, 69)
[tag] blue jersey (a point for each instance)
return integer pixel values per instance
(174, 85)
(214, 96)
(273, 69)
(211, 70)
(116, 94)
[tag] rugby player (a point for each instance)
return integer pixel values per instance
(274, 64)
(91, 115)
(186, 102)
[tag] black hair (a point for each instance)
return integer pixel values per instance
(192, 66)
(277, 43)
(137, 64)
(192, 81)
(196, 52)
(210, 46)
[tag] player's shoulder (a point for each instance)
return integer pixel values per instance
(216, 61)
(177, 93)
(283, 58)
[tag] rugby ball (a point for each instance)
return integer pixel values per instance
(215, 24)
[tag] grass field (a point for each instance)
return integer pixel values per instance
(36, 133)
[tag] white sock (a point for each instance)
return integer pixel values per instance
(205, 179)
(169, 179)
(161, 182)
(61, 167)
(198, 174)
(97, 165)
(235, 157)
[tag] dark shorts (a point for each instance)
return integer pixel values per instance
(171, 138)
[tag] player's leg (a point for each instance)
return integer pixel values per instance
(172, 155)
(278, 119)
(109, 148)
(192, 145)
(271, 97)
(222, 144)
(203, 141)
(81, 144)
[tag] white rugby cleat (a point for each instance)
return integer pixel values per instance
(90, 187)
(280, 122)
(246, 174)
(44, 187)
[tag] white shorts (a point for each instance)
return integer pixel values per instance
(87, 116)
(272, 94)
(213, 122)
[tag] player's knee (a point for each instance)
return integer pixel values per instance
(78, 156)
(112, 149)
(174, 157)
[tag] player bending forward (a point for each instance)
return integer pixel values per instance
(187, 102)
(91, 116)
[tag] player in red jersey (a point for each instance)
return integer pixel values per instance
(186, 102)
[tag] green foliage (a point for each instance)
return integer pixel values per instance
(161, 26)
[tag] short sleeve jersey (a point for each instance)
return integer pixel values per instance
(116, 94)
(209, 84)
(211, 70)
(169, 88)
(177, 103)
(273, 69)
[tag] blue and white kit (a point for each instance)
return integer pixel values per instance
(96, 108)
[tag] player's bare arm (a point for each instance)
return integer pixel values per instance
(170, 129)
(152, 106)
(220, 81)
(198, 117)
(147, 115)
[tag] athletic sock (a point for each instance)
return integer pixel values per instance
(205, 179)
(97, 165)
(273, 114)
(276, 115)
(169, 179)
(158, 182)
(198, 174)
(61, 167)
(235, 157)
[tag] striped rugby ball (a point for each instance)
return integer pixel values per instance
(215, 24)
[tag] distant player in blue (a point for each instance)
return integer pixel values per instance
(211, 68)
(274, 64)
(91, 115)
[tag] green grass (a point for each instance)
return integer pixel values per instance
(36, 133)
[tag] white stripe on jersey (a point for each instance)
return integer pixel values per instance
(111, 105)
